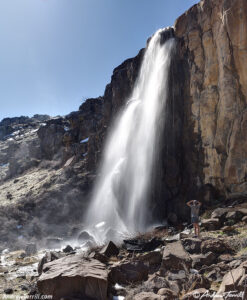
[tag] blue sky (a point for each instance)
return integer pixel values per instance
(55, 53)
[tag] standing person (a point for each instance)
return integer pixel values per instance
(195, 207)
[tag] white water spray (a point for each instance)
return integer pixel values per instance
(119, 201)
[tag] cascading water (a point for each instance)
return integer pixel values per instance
(119, 201)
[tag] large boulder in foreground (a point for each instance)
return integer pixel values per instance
(175, 257)
(74, 275)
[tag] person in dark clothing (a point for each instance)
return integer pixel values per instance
(195, 208)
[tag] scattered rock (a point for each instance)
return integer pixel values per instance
(68, 249)
(101, 257)
(128, 272)
(175, 257)
(169, 294)
(198, 260)
(225, 257)
(155, 283)
(110, 250)
(192, 245)
(141, 245)
(219, 213)
(211, 224)
(231, 281)
(151, 258)
(236, 216)
(217, 246)
(74, 275)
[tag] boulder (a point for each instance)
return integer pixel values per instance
(220, 213)
(101, 257)
(192, 245)
(232, 281)
(68, 249)
(155, 283)
(244, 219)
(110, 250)
(211, 224)
(74, 275)
(217, 246)
(175, 257)
(236, 215)
(151, 258)
(48, 257)
(214, 275)
(128, 272)
(199, 260)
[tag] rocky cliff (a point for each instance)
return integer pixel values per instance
(212, 39)
(47, 167)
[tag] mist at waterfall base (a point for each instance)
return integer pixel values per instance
(119, 204)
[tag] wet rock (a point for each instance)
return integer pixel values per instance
(211, 224)
(110, 250)
(84, 236)
(128, 272)
(192, 245)
(175, 257)
(31, 249)
(74, 275)
(68, 249)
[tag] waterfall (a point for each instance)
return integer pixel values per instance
(119, 202)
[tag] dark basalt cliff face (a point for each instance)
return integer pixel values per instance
(202, 152)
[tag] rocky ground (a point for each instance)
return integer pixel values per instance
(167, 263)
